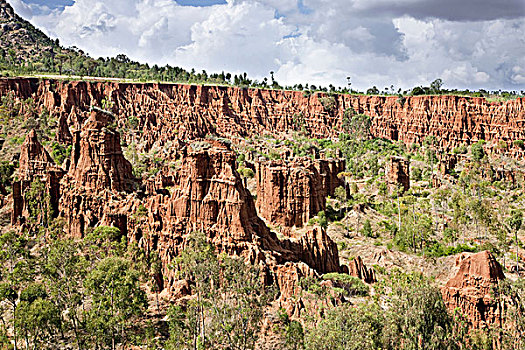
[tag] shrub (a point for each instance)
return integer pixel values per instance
(328, 103)
(7, 170)
(417, 174)
(241, 158)
(247, 172)
(340, 194)
(59, 152)
(350, 284)
(438, 249)
(477, 151)
(367, 229)
(322, 220)
(460, 150)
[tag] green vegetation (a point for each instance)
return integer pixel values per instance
(415, 318)
(86, 291)
(351, 285)
(229, 304)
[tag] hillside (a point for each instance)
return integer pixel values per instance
(20, 41)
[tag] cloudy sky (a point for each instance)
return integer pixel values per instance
(468, 43)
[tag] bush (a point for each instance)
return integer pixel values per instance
(367, 229)
(477, 151)
(460, 150)
(340, 194)
(328, 103)
(347, 327)
(417, 174)
(322, 220)
(247, 172)
(438, 249)
(350, 284)
(241, 158)
(415, 314)
(59, 152)
(7, 170)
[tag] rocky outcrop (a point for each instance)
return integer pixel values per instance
(290, 193)
(202, 191)
(398, 174)
(34, 159)
(36, 165)
(169, 111)
(358, 269)
(97, 173)
(318, 251)
(97, 161)
(207, 194)
(470, 290)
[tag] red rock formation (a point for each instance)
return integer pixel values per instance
(166, 112)
(318, 251)
(35, 163)
(205, 194)
(358, 269)
(398, 174)
(97, 161)
(34, 159)
(98, 172)
(470, 290)
(290, 193)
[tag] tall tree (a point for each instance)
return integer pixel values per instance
(515, 222)
(116, 297)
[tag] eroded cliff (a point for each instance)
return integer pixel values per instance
(168, 111)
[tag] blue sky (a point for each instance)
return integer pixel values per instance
(468, 43)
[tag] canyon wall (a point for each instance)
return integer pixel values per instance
(169, 111)
(201, 190)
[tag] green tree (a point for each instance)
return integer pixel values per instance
(116, 298)
(340, 194)
(477, 152)
(227, 310)
(37, 318)
(515, 222)
(367, 229)
(347, 327)
(292, 330)
(38, 203)
(17, 272)
(63, 271)
(6, 172)
(237, 308)
(105, 241)
(416, 317)
(436, 85)
(512, 295)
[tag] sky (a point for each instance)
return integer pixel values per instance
(405, 43)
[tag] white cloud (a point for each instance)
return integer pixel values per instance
(376, 42)
(21, 8)
(237, 37)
